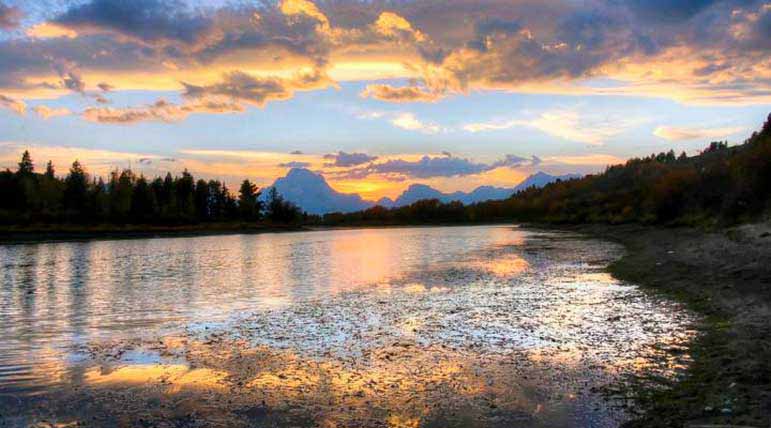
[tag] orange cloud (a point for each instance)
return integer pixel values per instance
(404, 94)
(47, 112)
(48, 30)
(304, 7)
(240, 86)
(452, 47)
(682, 133)
(160, 111)
(390, 24)
(12, 104)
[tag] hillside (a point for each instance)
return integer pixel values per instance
(721, 185)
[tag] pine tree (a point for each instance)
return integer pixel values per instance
(50, 173)
(248, 202)
(26, 167)
(76, 188)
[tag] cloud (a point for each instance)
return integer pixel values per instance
(258, 91)
(669, 10)
(48, 30)
(160, 111)
(72, 81)
(12, 104)
(145, 20)
(392, 25)
(343, 159)
(9, 17)
(590, 159)
(427, 166)
(435, 166)
(409, 122)
(572, 125)
(294, 164)
(406, 94)
(47, 112)
(680, 133)
(306, 8)
(296, 152)
(514, 161)
(704, 51)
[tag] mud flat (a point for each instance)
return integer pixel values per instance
(725, 276)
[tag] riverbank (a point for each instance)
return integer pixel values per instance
(725, 276)
(58, 233)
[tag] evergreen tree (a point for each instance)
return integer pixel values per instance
(121, 190)
(184, 188)
(50, 173)
(202, 201)
(281, 211)
(143, 206)
(76, 189)
(26, 167)
(248, 201)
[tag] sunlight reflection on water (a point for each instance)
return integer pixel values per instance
(392, 327)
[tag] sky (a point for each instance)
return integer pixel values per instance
(377, 95)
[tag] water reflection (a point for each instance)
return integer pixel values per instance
(385, 327)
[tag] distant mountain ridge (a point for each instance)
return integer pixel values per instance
(417, 192)
(310, 191)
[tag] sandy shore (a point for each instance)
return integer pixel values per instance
(726, 276)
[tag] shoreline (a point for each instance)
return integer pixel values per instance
(724, 276)
(37, 235)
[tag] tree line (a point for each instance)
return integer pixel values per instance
(29, 197)
(721, 185)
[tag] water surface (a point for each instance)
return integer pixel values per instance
(446, 326)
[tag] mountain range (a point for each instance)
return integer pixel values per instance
(311, 193)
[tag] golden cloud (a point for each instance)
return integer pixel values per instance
(390, 24)
(48, 30)
(684, 133)
(13, 104)
(450, 47)
(47, 112)
(160, 111)
(403, 94)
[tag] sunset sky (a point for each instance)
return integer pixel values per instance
(377, 94)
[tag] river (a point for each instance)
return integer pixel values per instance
(397, 327)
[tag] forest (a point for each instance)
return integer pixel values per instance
(28, 197)
(721, 185)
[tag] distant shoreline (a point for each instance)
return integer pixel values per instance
(58, 233)
(41, 234)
